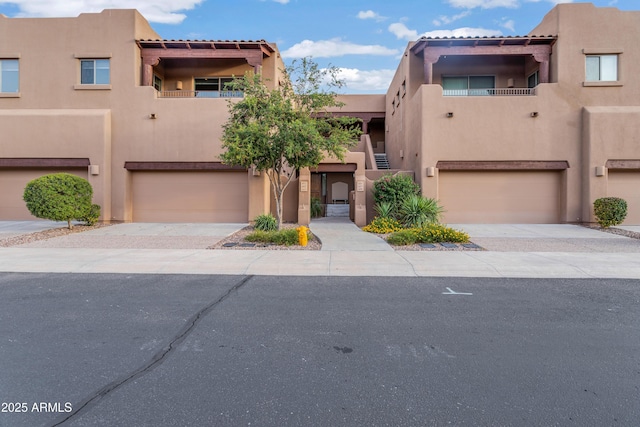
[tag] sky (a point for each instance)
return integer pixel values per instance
(364, 38)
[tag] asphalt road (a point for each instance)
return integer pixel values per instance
(162, 350)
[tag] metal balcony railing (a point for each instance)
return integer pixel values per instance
(200, 94)
(490, 92)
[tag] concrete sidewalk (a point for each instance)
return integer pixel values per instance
(348, 252)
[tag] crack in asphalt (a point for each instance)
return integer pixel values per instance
(158, 358)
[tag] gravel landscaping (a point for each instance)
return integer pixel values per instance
(236, 241)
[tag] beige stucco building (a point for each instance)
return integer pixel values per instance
(528, 129)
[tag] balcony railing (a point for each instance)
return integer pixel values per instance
(200, 94)
(490, 92)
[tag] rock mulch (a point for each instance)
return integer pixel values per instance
(237, 241)
(470, 246)
(613, 230)
(47, 234)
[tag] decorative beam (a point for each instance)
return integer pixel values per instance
(43, 162)
(503, 165)
(623, 164)
(335, 167)
(181, 166)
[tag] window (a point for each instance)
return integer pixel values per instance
(9, 74)
(533, 80)
(602, 68)
(468, 85)
(157, 83)
(215, 87)
(94, 71)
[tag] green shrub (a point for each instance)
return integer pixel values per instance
(394, 189)
(610, 211)
(287, 237)
(430, 233)
(418, 211)
(403, 237)
(438, 233)
(266, 222)
(385, 210)
(92, 216)
(382, 226)
(59, 197)
(316, 207)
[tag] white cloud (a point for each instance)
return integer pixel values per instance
(443, 20)
(370, 14)
(402, 32)
(509, 24)
(371, 81)
(554, 2)
(161, 11)
(483, 4)
(463, 32)
(281, 1)
(333, 48)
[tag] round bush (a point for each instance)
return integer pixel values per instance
(394, 189)
(610, 211)
(59, 197)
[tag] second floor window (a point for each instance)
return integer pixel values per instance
(9, 75)
(468, 85)
(602, 68)
(215, 87)
(94, 72)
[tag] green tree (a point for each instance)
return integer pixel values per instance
(60, 197)
(280, 130)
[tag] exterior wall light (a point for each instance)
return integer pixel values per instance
(152, 116)
(449, 114)
(534, 114)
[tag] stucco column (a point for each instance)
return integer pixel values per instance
(304, 197)
(429, 60)
(256, 62)
(543, 72)
(147, 69)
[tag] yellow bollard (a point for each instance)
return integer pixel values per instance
(302, 235)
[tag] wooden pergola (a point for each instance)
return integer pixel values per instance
(431, 49)
(152, 51)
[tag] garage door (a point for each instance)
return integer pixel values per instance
(12, 184)
(190, 196)
(509, 197)
(626, 185)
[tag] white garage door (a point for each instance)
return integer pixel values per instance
(12, 184)
(190, 196)
(509, 197)
(626, 185)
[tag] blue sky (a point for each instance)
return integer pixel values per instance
(364, 38)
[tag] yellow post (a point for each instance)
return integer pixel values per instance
(302, 235)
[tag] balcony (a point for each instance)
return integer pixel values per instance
(200, 94)
(490, 92)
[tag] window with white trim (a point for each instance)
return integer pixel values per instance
(9, 76)
(94, 72)
(601, 68)
(215, 87)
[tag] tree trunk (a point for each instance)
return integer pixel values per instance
(69, 224)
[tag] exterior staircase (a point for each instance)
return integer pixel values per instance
(381, 161)
(338, 210)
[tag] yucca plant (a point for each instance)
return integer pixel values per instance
(265, 222)
(385, 210)
(417, 211)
